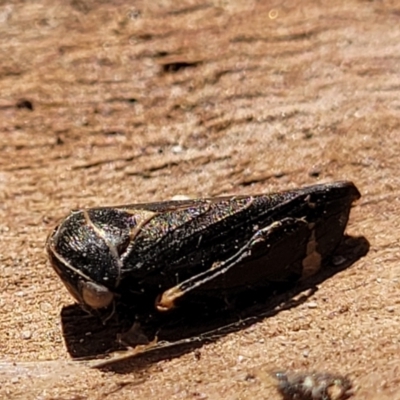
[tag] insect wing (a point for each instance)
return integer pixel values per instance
(253, 265)
(286, 250)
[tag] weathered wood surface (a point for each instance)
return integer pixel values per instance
(110, 103)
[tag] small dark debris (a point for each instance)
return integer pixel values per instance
(176, 66)
(308, 134)
(113, 133)
(161, 53)
(197, 354)
(313, 386)
(315, 172)
(145, 36)
(190, 9)
(80, 5)
(250, 377)
(130, 100)
(24, 103)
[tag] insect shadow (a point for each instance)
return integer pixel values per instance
(191, 326)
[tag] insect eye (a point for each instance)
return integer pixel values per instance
(95, 295)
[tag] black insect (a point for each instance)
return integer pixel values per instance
(155, 256)
(313, 386)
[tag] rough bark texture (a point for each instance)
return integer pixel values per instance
(120, 102)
